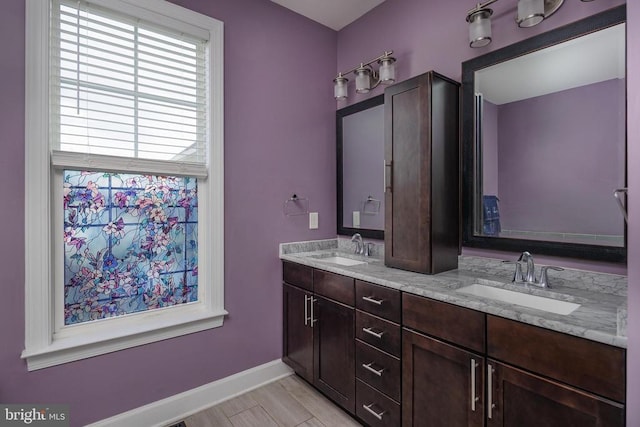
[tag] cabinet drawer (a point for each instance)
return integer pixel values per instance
(375, 408)
(378, 332)
(458, 325)
(378, 300)
(335, 286)
(592, 366)
(298, 275)
(378, 369)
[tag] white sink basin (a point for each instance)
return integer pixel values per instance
(341, 260)
(518, 298)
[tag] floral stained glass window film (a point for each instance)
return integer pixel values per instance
(130, 244)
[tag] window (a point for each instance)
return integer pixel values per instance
(124, 176)
(130, 244)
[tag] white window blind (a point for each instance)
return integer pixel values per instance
(122, 87)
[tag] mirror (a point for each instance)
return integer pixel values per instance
(544, 142)
(360, 167)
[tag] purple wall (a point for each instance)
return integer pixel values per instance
(549, 148)
(279, 140)
(633, 182)
(363, 172)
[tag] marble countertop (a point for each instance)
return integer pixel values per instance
(602, 297)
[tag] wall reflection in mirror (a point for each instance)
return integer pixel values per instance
(548, 136)
(360, 150)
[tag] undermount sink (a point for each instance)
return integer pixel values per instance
(339, 260)
(342, 261)
(518, 298)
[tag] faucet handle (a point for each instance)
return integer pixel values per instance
(518, 277)
(543, 282)
(368, 248)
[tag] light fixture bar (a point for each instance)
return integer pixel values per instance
(550, 6)
(367, 77)
(480, 6)
(364, 64)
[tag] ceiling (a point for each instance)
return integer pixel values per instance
(593, 58)
(334, 14)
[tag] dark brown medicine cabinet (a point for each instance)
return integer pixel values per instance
(420, 197)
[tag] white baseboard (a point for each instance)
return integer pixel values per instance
(176, 408)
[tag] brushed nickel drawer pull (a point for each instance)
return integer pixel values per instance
(368, 367)
(490, 404)
(312, 300)
(388, 176)
(372, 412)
(374, 333)
(373, 300)
(306, 310)
(474, 398)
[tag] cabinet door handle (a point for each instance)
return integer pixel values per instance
(374, 333)
(370, 368)
(378, 415)
(490, 404)
(388, 175)
(312, 319)
(474, 398)
(373, 300)
(306, 310)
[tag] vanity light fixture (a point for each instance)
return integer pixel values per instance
(480, 27)
(530, 13)
(367, 77)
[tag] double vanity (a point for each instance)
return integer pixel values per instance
(463, 347)
(417, 335)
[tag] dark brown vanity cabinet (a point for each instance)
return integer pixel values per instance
(318, 329)
(393, 358)
(297, 297)
(522, 399)
(526, 376)
(442, 383)
(422, 174)
(540, 377)
(298, 334)
(378, 350)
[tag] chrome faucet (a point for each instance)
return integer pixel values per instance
(529, 278)
(530, 275)
(357, 239)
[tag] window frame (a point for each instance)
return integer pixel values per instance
(48, 344)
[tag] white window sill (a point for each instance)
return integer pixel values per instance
(71, 344)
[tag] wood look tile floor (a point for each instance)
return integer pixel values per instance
(289, 402)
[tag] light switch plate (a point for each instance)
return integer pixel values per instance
(356, 219)
(313, 220)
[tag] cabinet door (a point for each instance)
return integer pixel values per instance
(422, 169)
(408, 159)
(520, 399)
(297, 349)
(441, 384)
(333, 335)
